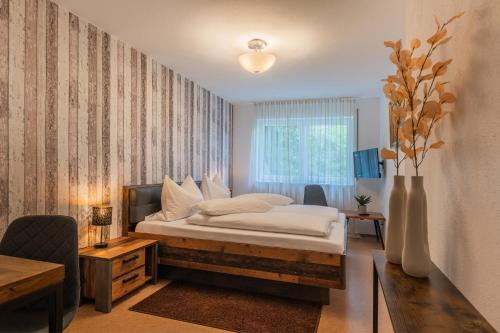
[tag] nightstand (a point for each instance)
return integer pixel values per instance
(110, 273)
(375, 217)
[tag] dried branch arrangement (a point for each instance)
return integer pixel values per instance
(417, 96)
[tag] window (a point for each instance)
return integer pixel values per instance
(304, 144)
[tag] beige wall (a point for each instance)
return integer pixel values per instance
(462, 181)
(82, 114)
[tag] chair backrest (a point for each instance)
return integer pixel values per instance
(314, 195)
(51, 238)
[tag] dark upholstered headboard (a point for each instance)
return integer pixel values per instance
(138, 202)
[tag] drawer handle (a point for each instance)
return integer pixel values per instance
(132, 278)
(126, 261)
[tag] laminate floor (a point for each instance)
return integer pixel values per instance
(350, 310)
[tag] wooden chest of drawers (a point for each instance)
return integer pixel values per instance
(110, 273)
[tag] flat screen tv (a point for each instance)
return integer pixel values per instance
(366, 164)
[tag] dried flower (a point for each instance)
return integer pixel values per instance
(417, 97)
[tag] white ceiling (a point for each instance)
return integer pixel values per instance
(323, 47)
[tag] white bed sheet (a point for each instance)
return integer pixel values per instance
(334, 243)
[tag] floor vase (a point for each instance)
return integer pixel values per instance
(416, 258)
(396, 222)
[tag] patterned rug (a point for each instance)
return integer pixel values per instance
(231, 310)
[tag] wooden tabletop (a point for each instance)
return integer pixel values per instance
(116, 247)
(20, 277)
(431, 304)
(353, 214)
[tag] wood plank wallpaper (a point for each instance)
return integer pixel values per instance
(82, 114)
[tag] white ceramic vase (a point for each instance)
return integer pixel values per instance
(416, 258)
(362, 209)
(394, 236)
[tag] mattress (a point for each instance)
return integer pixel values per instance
(334, 243)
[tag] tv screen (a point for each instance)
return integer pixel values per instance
(366, 164)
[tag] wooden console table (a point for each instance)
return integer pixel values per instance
(431, 304)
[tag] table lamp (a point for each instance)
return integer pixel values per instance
(101, 216)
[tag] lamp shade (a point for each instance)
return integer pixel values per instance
(256, 62)
(101, 215)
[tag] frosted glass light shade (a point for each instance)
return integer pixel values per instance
(256, 62)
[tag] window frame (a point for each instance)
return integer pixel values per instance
(304, 151)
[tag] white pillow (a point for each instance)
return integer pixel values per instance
(189, 185)
(158, 216)
(226, 206)
(217, 180)
(177, 202)
(270, 198)
(212, 191)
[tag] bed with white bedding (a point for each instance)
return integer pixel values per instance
(287, 258)
(333, 243)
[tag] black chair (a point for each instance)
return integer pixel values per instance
(45, 238)
(314, 195)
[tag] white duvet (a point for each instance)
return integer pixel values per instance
(309, 210)
(293, 219)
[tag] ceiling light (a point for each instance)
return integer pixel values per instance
(257, 61)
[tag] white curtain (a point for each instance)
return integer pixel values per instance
(302, 142)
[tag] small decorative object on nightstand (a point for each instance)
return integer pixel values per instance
(101, 217)
(363, 201)
(124, 265)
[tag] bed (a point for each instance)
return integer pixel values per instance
(298, 266)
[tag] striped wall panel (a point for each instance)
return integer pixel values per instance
(82, 114)
(4, 115)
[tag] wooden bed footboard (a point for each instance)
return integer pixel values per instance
(301, 267)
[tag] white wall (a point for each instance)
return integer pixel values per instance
(462, 180)
(243, 122)
(368, 137)
(389, 168)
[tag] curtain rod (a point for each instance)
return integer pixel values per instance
(306, 100)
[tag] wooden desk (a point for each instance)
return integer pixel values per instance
(371, 216)
(23, 280)
(415, 305)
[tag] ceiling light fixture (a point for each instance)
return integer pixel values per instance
(257, 61)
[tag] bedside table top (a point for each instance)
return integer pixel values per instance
(116, 247)
(353, 214)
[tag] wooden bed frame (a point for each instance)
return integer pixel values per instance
(289, 266)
